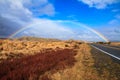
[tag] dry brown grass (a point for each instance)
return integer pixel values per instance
(115, 43)
(90, 64)
(35, 66)
(18, 48)
(83, 68)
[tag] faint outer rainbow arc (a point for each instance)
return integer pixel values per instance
(31, 25)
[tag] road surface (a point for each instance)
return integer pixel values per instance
(111, 51)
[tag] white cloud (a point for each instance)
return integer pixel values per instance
(14, 10)
(22, 10)
(47, 28)
(17, 13)
(99, 4)
(47, 10)
(40, 7)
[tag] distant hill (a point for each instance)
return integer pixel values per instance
(38, 39)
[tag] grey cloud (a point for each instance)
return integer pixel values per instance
(99, 4)
(6, 28)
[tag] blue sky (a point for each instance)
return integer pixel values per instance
(81, 12)
(62, 19)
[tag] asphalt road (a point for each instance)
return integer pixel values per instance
(111, 51)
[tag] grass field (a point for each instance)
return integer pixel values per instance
(55, 60)
(115, 44)
(17, 48)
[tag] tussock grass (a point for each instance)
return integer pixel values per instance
(83, 68)
(55, 60)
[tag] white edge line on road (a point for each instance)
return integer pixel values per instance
(106, 53)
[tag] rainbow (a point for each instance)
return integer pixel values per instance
(22, 29)
(98, 33)
(30, 25)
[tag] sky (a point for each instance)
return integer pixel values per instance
(87, 20)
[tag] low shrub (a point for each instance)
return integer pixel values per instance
(33, 66)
